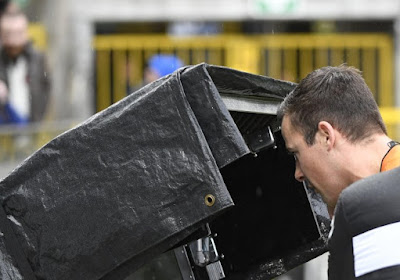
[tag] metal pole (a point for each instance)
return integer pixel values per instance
(396, 41)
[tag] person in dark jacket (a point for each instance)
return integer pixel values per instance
(24, 77)
(333, 127)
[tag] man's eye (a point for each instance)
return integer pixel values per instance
(293, 154)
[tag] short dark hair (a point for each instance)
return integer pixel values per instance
(3, 5)
(338, 95)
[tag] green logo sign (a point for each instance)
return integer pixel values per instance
(276, 6)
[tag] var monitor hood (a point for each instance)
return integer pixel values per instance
(192, 166)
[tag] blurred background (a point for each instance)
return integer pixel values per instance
(99, 51)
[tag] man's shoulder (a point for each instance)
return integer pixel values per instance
(366, 211)
(380, 182)
(372, 201)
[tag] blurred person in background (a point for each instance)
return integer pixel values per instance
(24, 78)
(160, 65)
(157, 66)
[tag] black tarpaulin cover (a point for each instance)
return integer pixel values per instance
(104, 198)
(130, 182)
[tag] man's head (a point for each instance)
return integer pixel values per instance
(329, 111)
(13, 33)
(338, 95)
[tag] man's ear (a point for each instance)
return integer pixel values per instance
(326, 134)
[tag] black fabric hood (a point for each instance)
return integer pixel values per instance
(131, 181)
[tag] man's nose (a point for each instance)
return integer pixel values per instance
(298, 174)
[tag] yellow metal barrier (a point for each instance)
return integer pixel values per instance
(121, 58)
(17, 142)
(120, 61)
(391, 117)
(37, 33)
(291, 57)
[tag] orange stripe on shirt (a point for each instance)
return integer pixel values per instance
(392, 159)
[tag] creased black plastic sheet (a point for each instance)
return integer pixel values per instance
(8, 268)
(127, 184)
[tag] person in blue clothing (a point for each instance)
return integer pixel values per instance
(8, 115)
(160, 65)
(157, 66)
(24, 75)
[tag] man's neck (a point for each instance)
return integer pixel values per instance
(366, 157)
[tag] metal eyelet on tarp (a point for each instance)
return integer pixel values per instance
(209, 199)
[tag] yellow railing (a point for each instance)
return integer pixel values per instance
(37, 33)
(391, 117)
(17, 142)
(291, 57)
(120, 59)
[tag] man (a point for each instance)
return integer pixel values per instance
(24, 78)
(332, 125)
